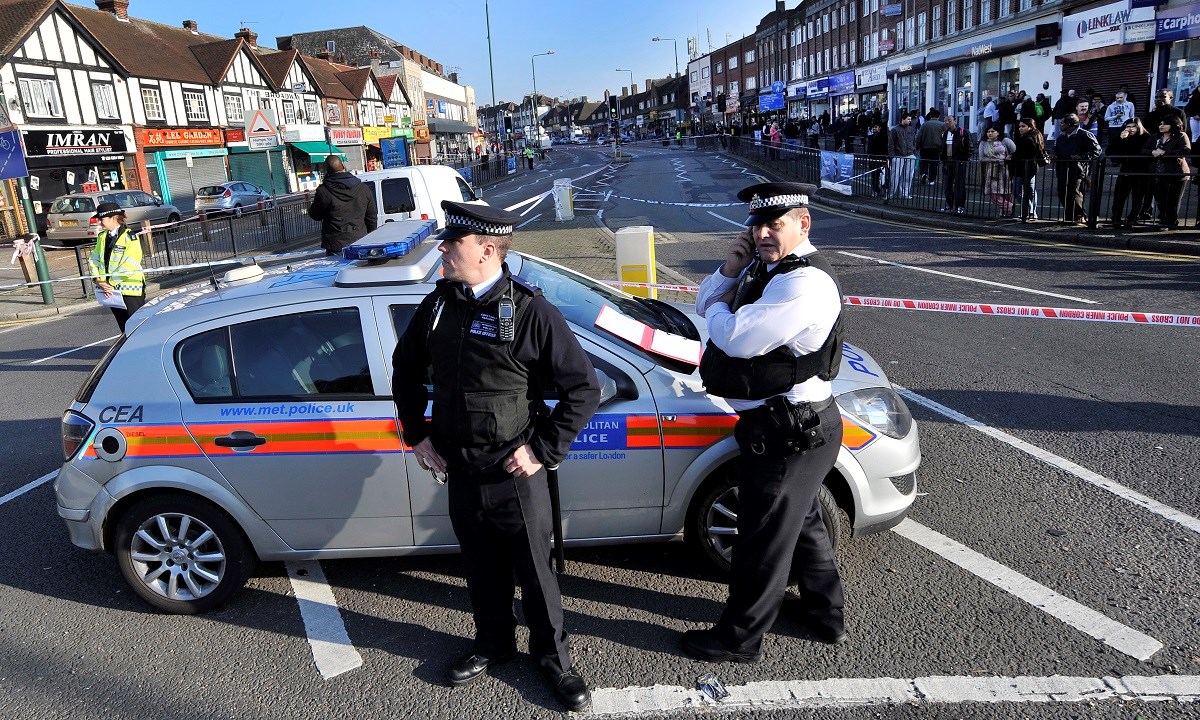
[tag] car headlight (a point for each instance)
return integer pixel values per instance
(879, 407)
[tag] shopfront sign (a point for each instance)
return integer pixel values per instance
(346, 136)
(1136, 32)
(871, 75)
(818, 88)
(892, 9)
(81, 141)
(179, 137)
(304, 133)
(770, 101)
(842, 83)
(189, 154)
(1100, 27)
(235, 135)
(374, 133)
(1026, 39)
(1178, 23)
(887, 45)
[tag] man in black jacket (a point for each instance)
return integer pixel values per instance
(956, 153)
(1074, 151)
(344, 206)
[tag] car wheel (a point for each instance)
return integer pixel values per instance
(182, 554)
(173, 218)
(712, 519)
(237, 210)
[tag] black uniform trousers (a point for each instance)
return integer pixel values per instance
(780, 529)
(504, 526)
(132, 304)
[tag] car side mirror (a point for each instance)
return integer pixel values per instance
(477, 192)
(158, 202)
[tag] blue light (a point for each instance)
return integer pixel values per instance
(391, 248)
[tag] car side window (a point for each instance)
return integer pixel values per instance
(320, 352)
(126, 200)
(397, 196)
(402, 315)
(467, 193)
(145, 199)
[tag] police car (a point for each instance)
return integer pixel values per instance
(250, 419)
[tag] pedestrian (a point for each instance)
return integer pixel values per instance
(1169, 150)
(1087, 121)
(1119, 111)
(991, 113)
(775, 333)
(1006, 113)
(1074, 151)
(902, 155)
(344, 206)
(529, 156)
(1192, 111)
(995, 151)
(494, 345)
(1042, 111)
(1162, 108)
(1098, 110)
(956, 154)
(814, 133)
(115, 264)
(929, 143)
(1028, 157)
(1063, 107)
(877, 156)
(1133, 179)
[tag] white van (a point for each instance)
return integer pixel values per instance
(417, 192)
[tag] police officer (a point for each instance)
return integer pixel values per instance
(116, 262)
(494, 346)
(773, 311)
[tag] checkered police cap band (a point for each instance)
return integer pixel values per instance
(477, 227)
(757, 203)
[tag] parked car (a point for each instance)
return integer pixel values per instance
(253, 420)
(70, 219)
(417, 192)
(233, 197)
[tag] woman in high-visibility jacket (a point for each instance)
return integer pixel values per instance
(116, 262)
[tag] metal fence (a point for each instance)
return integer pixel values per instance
(984, 190)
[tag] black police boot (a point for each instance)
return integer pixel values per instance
(571, 689)
(468, 669)
(705, 645)
(826, 630)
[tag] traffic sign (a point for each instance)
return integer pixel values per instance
(263, 143)
(261, 125)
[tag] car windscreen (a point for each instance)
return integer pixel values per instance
(212, 190)
(65, 205)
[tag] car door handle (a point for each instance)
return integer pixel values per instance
(240, 440)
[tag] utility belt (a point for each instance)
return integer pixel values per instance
(781, 427)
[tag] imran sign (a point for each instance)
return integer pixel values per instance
(86, 141)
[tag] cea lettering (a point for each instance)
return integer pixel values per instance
(121, 414)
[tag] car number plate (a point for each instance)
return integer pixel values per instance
(68, 223)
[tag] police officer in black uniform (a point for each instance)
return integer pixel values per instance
(494, 346)
(774, 320)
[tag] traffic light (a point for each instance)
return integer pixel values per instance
(612, 105)
(508, 124)
(721, 103)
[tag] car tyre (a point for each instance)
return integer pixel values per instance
(237, 211)
(173, 218)
(711, 525)
(182, 554)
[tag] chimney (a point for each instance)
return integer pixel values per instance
(324, 54)
(633, 90)
(779, 6)
(454, 78)
(120, 8)
(283, 43)
(624, 91)
(191, 26)
(248, 35)
(649, 84)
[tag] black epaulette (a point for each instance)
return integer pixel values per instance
(532, 290)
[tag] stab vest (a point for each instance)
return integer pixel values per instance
(778, 370)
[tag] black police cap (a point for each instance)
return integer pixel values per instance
(770, 200)
(108, 209)
(474, 219)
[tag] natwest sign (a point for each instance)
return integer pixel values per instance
(179, 137)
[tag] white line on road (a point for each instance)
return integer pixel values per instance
(722, 217)
(1103, 628)
(331, 648)
(775, 695)
(1133, 496)
(535, 217)
(81, 347)
(29, 486)
(964, 277)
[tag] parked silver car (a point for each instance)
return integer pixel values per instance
(254, 421)
(233, 197)
(71, 220)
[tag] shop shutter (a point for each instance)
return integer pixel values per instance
(1107, 75)
(252, 168)
(354, 158)
(184, 181)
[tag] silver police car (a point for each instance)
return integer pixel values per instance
(252, 420)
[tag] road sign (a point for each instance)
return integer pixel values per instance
(261, 132)
(263, 143)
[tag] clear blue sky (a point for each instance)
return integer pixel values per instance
(589, 42)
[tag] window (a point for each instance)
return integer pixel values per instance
(311, 114)
(1026, 4)
(349, 114)
(968, 14)
(312, 353)
(910, 32)
(853, 52)
(937, 21)
(985, 12)
(720, 67)
(1005, 8)
(718, 89)
(734, 87)
(468, 195)
(152, 102)
(899, 36)
(951, 16)
(235, 111)
(264, 102)
(828, 64)
(853, 12)
(844, 59)
(825, 21)
(866, 7)
(835, 20)
(41, 97)
(289, 112)
(733, 62)
(695, 76)
(193, 105)
(922, 27)
(106, 101)
(703, 72)
(333, 113)
(843, 14)
(874, 5)
(751, 83)
(146, 199)
(749, 56)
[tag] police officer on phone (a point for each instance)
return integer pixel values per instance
(775, 336)
(493, 346)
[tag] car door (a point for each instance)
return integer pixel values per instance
(150, 206)
(134, 214)
(290, 405)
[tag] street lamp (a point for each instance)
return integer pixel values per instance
(673, 42)
(619, 99)
(533, 119)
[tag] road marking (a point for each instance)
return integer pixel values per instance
(722, 217)
(29, 486)
(928, 691)
(1108, 631)
(81, 347)
(331, 648)
(969, 279)
(1133, 496)
(535, 217)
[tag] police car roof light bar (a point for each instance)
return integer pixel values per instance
(388, 247)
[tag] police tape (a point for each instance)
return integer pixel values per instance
(610, 196)
(1128, 317)
(247, 260)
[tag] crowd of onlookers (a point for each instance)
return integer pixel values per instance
(1017, 135)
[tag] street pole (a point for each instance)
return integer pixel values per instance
(619, 102)
(491, 72)
(676, 44)
(39, 255)
(533, 119)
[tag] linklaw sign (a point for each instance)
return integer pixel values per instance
(1101, 27)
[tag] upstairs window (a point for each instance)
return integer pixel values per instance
(193, 105)
(41, 98)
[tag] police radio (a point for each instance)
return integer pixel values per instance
(506, 313)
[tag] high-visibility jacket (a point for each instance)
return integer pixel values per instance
(124, 268)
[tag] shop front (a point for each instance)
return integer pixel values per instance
(748, 110)
(180, 161)
(1177, 31)
(64, 160)
(842, 98)
(350, 142)
(871, 81)
(264, 168)
(1107, 47)
(817, 94)
(307, 148)
(796, 93)
(373, 135)
(908, 90)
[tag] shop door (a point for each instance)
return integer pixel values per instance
(184, 181)
(354, 159)
(1107, 75)
(252, 167)
(964, 101)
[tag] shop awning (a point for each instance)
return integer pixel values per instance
(318, 151)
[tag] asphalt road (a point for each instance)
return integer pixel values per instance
(1009, 490)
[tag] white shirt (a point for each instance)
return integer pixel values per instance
(797, 310)
(991, 112)
(486, 285)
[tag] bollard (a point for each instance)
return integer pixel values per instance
(43, 272)
(635, 259)
(147, 238)
(564, 201)
(262, 214)
(204, 233)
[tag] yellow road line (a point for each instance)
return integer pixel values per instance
(1015, 241)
